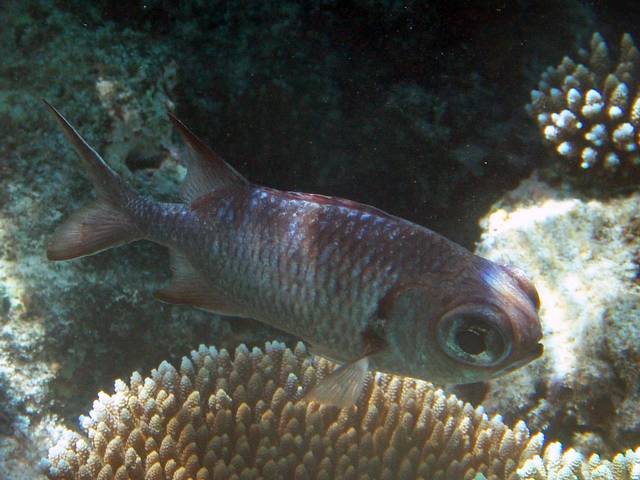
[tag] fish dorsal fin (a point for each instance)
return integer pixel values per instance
(336, 201)
(206, 170)
(189, 287)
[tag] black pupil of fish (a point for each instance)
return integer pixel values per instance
(472, 340)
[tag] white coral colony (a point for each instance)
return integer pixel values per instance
(589, 111)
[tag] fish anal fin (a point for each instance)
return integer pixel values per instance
(182, 293)
(206, 170)
(188, 287)
(343, 386)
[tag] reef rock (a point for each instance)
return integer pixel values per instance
(582, 254)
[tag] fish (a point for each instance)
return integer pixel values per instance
(359, 286)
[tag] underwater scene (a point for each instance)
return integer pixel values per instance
(321, 239)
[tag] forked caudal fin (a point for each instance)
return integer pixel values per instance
(103, 224)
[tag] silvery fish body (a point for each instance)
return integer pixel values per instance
(359, 285)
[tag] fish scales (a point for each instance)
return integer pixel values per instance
(361, 286)
(305, 267)
(287, 259)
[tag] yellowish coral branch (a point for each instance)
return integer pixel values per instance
(219, 417)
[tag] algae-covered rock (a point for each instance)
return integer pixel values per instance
(582, 254)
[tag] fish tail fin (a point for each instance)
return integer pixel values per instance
(105, 223)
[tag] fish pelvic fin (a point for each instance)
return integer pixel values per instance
(342, 387)
(106, 222)
(206, 170)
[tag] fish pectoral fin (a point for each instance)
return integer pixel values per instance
(343, 386)
(188, 287)
(206, 170)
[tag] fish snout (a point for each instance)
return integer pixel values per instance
(536, 352)
(517, 298)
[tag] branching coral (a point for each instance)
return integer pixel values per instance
(570, 465)
(218, 417)
(590, 111)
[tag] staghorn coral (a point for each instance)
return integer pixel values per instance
(590, 111)
(218, 417)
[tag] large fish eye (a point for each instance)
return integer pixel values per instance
(474, 335)
(473, 339)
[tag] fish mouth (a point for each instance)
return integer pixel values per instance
(534, 353)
